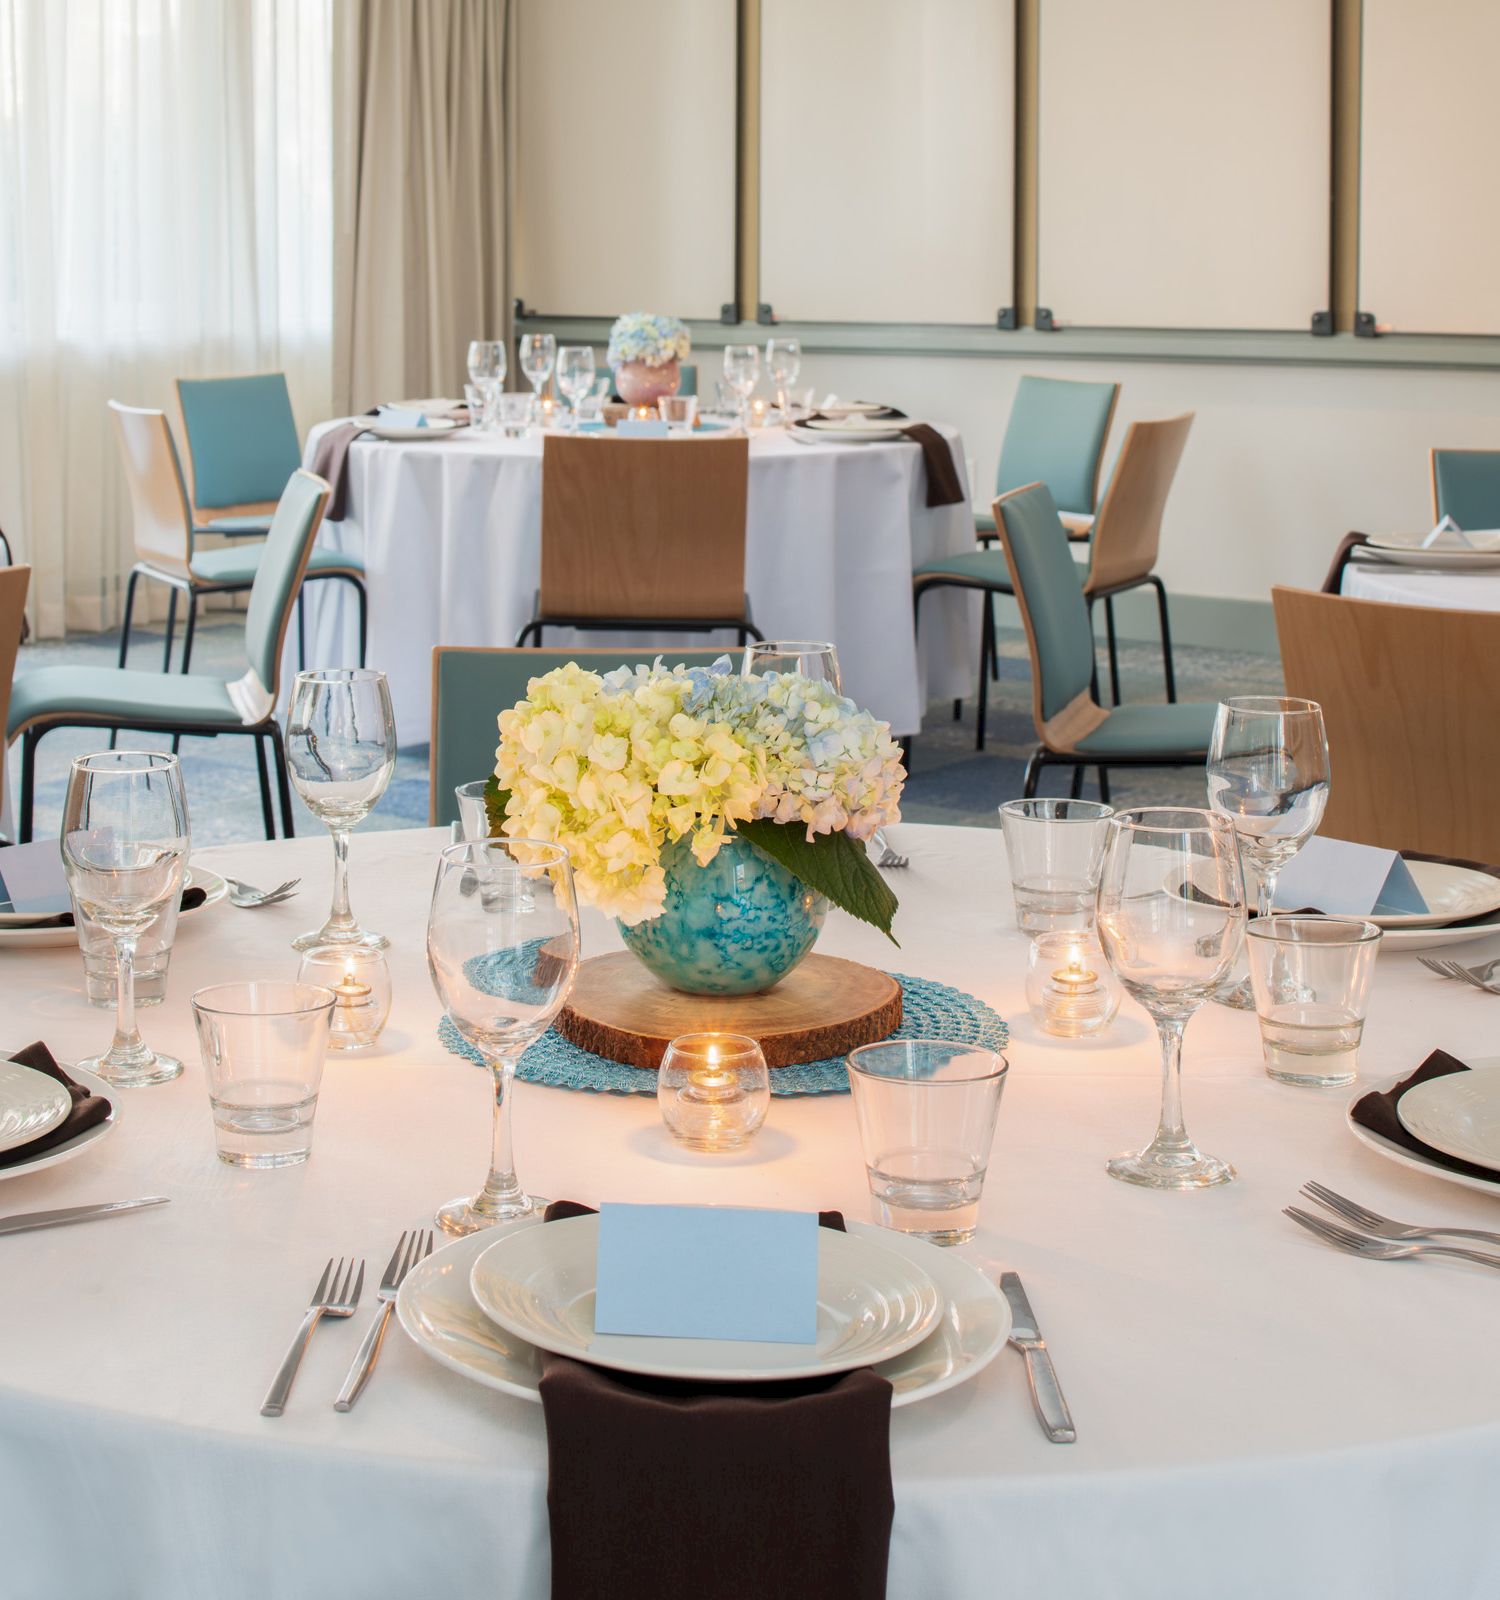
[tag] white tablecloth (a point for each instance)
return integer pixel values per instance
(1409, 586)
(1257, 1415)
(450, 534)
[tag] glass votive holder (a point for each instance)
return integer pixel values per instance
(513, 413)
(480, 399)
(473, 815)
(713, 1089)
(1311, 980)
(679, 412)
(549, 414)
(360, 982)
(1055, 849)
(1070, 987)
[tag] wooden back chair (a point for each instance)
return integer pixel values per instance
(14, 582)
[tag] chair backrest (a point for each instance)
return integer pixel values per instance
(1044, 578)
(471, 687)
(1466, 487)
(687, 378)
(1127, 531)
(241, 439)
(13, 585)
(643, 528)
(1408, 696)
(1056, 436)
(158, 496)
(283, 562)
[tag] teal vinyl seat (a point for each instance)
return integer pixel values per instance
(236, 566)
(185, 703)
(1466, 487)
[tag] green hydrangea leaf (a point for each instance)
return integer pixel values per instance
(833, 864)
(495, 801)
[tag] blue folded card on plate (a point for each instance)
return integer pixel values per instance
(1348, 880)
(32, 880)
(400, 417)
(640, 428)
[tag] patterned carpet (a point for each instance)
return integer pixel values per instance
(951, 781)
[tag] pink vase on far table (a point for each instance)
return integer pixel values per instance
(640, 385)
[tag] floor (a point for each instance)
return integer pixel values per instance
(951, 782)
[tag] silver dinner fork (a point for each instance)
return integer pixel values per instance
(1385, 1227)
(410, 1249)
(1475, 977)
(888, 857)
(248, 897)
(1356, 1244)
(332, 1298)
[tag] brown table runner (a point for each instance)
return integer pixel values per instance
(1377, 1112)
(944, 486)
(88, 1108)
(659, 1490)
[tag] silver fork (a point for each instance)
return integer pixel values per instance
(1356, 1244)
(1385, 1227)
(248, 897)
(410, 1249)
(332, 1298)
(1475, 977)
(888, 857)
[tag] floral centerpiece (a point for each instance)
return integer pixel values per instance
(644, 351)
(714, 816)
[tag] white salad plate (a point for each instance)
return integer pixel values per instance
(1395, 940)
(438, 1311)
(859, 428)
(75, 1146)
(1406, 550)
(1458, 1114)
(1484, 1067)
(31, 1104)
(1451, 893)
(435, 428)
(852, 408)
(20, 928)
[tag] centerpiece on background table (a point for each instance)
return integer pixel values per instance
(645, 353)
(715, 817)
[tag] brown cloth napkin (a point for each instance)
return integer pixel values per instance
(88, 1108)
(1334, 582)
(1377, 1112)
(331, 459)
(944, 487)
(659, 1490)
(191, 900)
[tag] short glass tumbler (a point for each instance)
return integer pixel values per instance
(679, 412)
(1311, 977)
(153, 957)
(713, 1089)
(263, 1046)
(926, 1110)
(1055, 848)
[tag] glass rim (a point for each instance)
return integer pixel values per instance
(1360, 929)
(559, 852)
(1205, 821)
(1090, 810)
(247, 1008)
(339, 675)
(791, 647)
(956, 1045)
(481, 784)
(1270, 705)
(144, 760)
(741, 1045)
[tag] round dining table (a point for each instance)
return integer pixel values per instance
(449, 531)
(1257, 1415)
(1367, 579)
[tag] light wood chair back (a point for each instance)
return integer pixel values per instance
(1127, 531)
(158, 495)
(14, 581)
(1408, 696)
(643, 528)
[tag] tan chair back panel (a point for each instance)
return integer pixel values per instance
(1408, 695)
(14, 582)
(158, 496)
(1127, 531)
(643, 527)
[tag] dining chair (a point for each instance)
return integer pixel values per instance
(1074, 730)
(14, 582)
(241, 448)
(9, 561)
(1466, 487)
(643, 535)
(164, 530)
(687, 377)
(471, 686)
(1408, 696)
(118, 698)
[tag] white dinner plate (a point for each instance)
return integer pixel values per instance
(436, 428)
(538, 1284)
(1458, 1114)
(852, 408)
(860, 428)
(1451, 893)
(1405, 550)
(1485, 1065)
(75, 1146)
(1395, 940)
(17, 929)
(31, 1104)
(439, 1313)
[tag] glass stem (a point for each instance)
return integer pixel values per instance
(127, 1041)
(339, 915)
(501, 1189)
(1170, 1133)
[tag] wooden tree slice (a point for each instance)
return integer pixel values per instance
(823, 1008)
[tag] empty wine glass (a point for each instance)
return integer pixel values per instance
(575, 375)
(502, 948)
(487, 363)
(341, 747)
(812, 658)
(124, 850)
(783, 362)
(538, 356)
(1171, 919)
(742, 373)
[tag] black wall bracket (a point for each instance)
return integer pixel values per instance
(1005, 318)
(1322, 323)
(1364, 325)
(1043, 322)
(519, 309)
(764, 314)
(729, 313)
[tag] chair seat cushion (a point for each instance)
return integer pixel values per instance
(118, 696)
(237, 564)
(979, 569)
(984, 523)
(1183, 729)
(236, 527)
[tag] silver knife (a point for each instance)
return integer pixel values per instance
(25, 1221)
(1046, 1393)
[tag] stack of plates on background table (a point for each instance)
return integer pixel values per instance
(849, 429)
(29, 931)
(1407, 550)
(852, 408)
(433, 428)
(487, 1305)
(1458, 1114)
(1463, 905)
(32, 1104)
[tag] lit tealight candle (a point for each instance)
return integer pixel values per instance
(758, 413)
(1068, 985)
(360, 982)
(713, 1089)
(545, 410)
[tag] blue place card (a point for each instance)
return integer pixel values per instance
(640, 428)
(1347, 880)
(402, 417)
(708, 1272)
(32, 880)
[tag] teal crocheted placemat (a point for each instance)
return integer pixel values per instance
(930, 1010)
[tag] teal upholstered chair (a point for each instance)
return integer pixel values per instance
(687, 378)
(1074, 729)
(1466, 487)
(471, 687)
(189, 703)
(241, 448)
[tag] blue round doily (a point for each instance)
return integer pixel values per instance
(930, 1010)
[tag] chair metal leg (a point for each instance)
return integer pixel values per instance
(1104, 785)
(986, 644)
(29, 741)
(301, 635)
(283, 787)
(1033, 773)
(1166, 637)
(189, 630)
(364, 617)
(994, 651)
(166, 655)
(1114, 653)
(1076, 792)
(125, 625)
(1093, 650)
(958, 709)
(267, 814)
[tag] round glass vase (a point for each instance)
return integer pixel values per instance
(640, 385)
(1070, 987)
(736, 926)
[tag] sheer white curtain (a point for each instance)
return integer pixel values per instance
(165, 210)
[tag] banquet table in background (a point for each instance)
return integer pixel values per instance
(1257, 1415)
(449, 531)
(1411, 586)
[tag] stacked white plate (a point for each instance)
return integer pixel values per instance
(1458, 1114)
(32, 1104)
(1452, 894)
(1407, 550)
(31, 932)
(850, 429)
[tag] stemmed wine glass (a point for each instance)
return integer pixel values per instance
(487, 363)
(783, 363)
(1268, 774)
(1171, 919)
(812, 658)
(538, 356)
(502, 948)
(742, 373)
(575, 376)
(341, 747)
(124, 849)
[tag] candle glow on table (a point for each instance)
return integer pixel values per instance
(360, 982)
(713, 1089)
(1069, 985)
(757, 413)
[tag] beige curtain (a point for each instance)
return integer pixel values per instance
(420, 265)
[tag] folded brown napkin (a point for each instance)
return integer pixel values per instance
(944, 487)
(1334, 582)
(191, 900)
(659, 1490)
(331, 461)
(1377, 1112)
(88, 1108)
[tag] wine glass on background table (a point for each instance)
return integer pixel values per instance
(783, 363)
(341, 748)
(575, 376)
(811, 657)
(1171, 917)
(538, 357)
(502, 948)
(487, 363)
(742, 373)
(125, 849)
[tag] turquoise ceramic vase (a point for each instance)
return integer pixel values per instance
(736, 926)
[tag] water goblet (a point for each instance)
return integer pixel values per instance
(812, 658)
(502, 961)
(538, 356)
(742, 373)
(341, 748)
(124, 849)
(487, 362)
(1171, 919)
(783, 362)
(575, 375)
